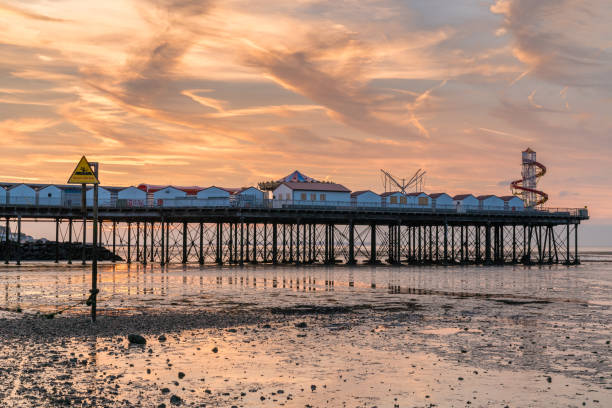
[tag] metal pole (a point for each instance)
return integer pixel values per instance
(513, 243)
(290, 243)
(284, 242)
(255, 243)
(167, 243)
(265, 242)
(332, 243)
(94, 257)
(84, 209)
(488, 243)
(297, 243)
(446, 242)
(304, 243)
(153, 242)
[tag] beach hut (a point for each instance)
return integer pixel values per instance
(313, 193)
(393, 199)
(131, 197)
(249, 196)
(104, 197)
(442, 201)
(22, 195)
(513, 203)
(365, 198)
(2, 195)
(491, 202)
(420, 200)
(465, 202)
(169, 197)
(213, 196)
(50, 195)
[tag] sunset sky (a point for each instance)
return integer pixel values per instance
(235, 92)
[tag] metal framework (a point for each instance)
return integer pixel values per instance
(236, 236)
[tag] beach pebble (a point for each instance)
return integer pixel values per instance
(176, 400)
(136, 339)
(301, 325)
(313, 387)
(181, 375)
(165, 390)
(215, 349)
(161, 338)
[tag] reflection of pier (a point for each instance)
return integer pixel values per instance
(315, 235)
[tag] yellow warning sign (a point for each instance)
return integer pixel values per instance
(83, 174)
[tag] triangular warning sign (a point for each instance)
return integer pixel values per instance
(83, 174)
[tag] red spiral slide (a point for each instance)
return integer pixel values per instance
(517, 185)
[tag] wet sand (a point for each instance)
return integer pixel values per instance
(354, 337)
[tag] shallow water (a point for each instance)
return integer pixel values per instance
(374, 336)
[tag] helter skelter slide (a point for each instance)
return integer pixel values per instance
(526, 187)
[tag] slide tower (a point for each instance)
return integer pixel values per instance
(526, 187)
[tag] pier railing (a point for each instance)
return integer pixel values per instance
(195, 203)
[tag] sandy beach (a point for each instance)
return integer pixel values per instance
(308, 337)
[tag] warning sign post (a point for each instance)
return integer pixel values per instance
(87, 173)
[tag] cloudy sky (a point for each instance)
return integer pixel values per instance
(234, 92)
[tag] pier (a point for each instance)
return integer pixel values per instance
(307, 234)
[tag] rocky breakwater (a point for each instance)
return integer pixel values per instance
(46, 251)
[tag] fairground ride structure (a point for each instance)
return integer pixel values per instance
(526, 187)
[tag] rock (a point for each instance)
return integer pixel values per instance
(161, 338)
(181, 375)
(301, 325)
(208, 391)
(165, 390)
(267, 326)
(215, 349)
(162, 405)
(176, 400)
(136, 339)
(313, 387)
(148, 371)
(549, 379)
(232, 330)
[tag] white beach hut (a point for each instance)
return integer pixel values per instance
(313, 193)
(393, 199)
(466, 202)
(365, 198)
(131, 197)
(50, 195)
(442, 201)
(213, 196)
(420, 200)
(248, 196)
(513, 203)
(104, 197)
(169, 197)
(491, 202)
(22, 195)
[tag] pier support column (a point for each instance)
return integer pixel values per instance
(274, 243)
(332, 243)
(129, 242)
(576, 258)
(254, 243)
(351, 243)
(304, 243)
(70, 241)
(488, 244)
(18, 248)
(7, 247)
(230, 243)
(56, 239)
(137, 241)
(219, 242)
(201, 252)
(184, 260)
(114, 239)
(153, 242)
(284, 243)
(373, 259)
(445, 243)
(241, 241)
(514, 260)
(297, 243)
(246, 247)
(265, 243)
(144, 243)
(162, 255)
